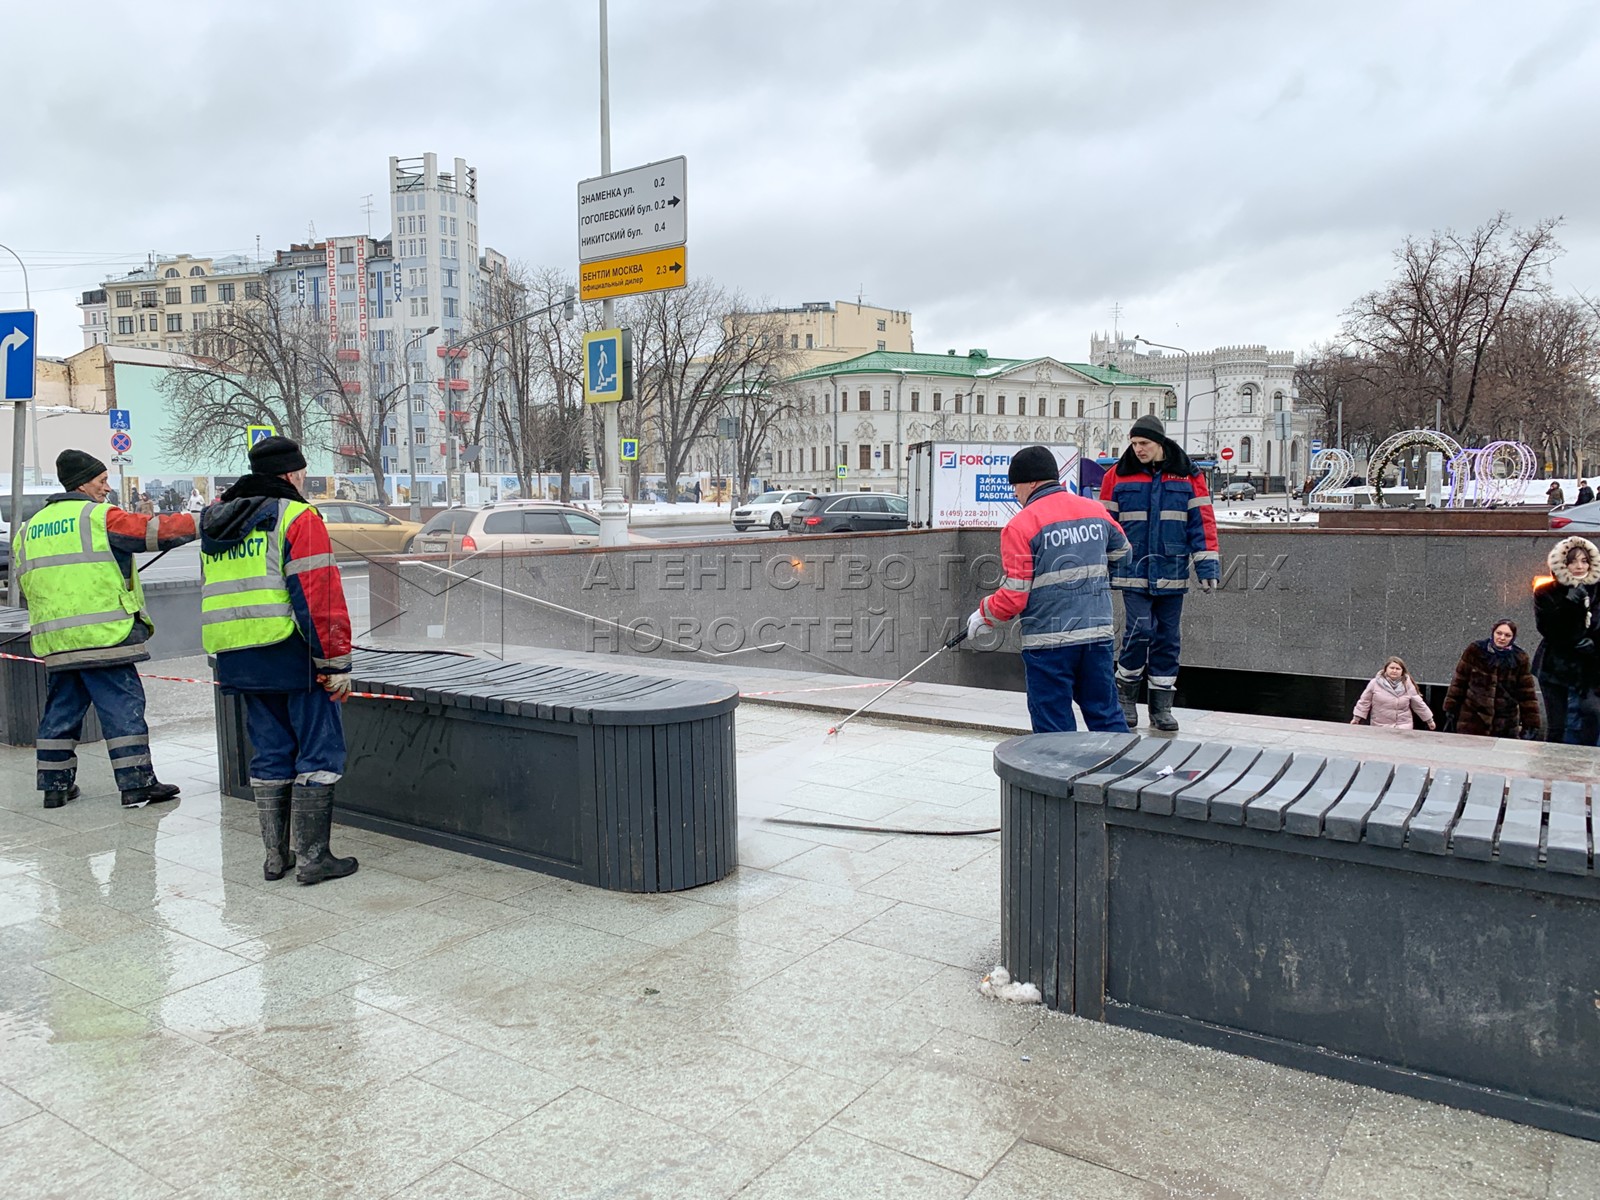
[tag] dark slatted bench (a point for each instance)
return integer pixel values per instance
(620, 781)
(1435, 933)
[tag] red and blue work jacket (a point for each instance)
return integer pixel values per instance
(1057, 554)
(1170, 526)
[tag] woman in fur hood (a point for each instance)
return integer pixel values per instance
(1566, 608)
(1390, 699)
(1493, 692)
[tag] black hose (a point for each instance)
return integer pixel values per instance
(880, 828)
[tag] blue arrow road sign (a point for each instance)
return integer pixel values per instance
(121, 418)
(17, 350)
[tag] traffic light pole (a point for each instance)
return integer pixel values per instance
(613, 511)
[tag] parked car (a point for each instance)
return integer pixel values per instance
(513, 525)
(1238, 491)
(362, 530)
(850, 512)
(442, 531)
(772, 509)
(1577, 518)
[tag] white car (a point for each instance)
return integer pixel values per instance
(772, 509)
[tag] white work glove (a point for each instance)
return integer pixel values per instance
(1208, 586)
(976, 622)
(337, 686)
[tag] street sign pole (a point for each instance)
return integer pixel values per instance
(613, 512)
(21, 333)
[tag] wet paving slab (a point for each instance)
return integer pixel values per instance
(172, 1025)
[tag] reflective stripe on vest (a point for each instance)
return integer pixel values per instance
(78, 598)
(244, 601)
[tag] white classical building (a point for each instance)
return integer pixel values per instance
(1233, 392)
(861, 414)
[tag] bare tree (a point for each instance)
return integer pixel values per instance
(693, 347)
(757, 405)
(263, 361)
(1432, 326)
(372, 389)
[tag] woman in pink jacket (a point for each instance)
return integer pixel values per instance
(1391, 698)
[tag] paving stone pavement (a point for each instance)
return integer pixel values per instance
(440, 1027)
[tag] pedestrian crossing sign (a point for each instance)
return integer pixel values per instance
(607, 366)
(843, 470)
(630, 449)
(260, 433)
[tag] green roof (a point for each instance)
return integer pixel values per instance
(963, 366)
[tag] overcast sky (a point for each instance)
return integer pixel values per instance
(1226, 171)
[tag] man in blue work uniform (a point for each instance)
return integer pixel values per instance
(1163, 505)
(273, 612)
(87, 622)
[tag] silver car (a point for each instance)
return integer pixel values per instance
(772, 509)
(1579, 518)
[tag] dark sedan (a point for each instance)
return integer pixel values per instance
(850, 512)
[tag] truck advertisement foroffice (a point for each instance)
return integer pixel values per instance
(967, 485)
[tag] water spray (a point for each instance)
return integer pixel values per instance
(949, 645)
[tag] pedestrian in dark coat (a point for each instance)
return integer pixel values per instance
(1553, 494)
(1585, 493)
(1566, 607)
(1493, 692)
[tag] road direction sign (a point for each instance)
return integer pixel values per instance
(121, 442)
(17, 354)
(633, 274)
(607, 366)
(1226, 454)
(260, 433)
(630, 449)
(643, 208)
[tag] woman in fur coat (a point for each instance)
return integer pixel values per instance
(1390, 699)
(1493, 691)
(1566, 608)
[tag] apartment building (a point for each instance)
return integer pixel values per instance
(164, 304)
(852, 421)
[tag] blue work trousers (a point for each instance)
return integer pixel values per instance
(1061, 674)
(1150, 633)
(118, 696)
(295, 737)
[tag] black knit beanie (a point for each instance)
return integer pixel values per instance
(276, 456)
(1033, 464)
(76, 467)
(1149, 427)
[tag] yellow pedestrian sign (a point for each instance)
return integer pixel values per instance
(630, 449)
(260, 433)
(843, 470)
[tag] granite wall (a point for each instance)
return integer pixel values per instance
(1294, 601)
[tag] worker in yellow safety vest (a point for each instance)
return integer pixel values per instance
(273, 613)
(74, 560)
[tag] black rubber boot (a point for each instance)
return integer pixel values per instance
(154, 794)
(56, 797)
(1161, 709)
(311, 809)
(1128, 697)
(272, 806)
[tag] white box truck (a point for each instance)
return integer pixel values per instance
(964, 485)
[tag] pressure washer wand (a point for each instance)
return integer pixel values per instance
(950, 645)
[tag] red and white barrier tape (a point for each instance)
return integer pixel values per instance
(213, 682)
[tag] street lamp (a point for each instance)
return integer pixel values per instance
(1185, 353)
(411, 423)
